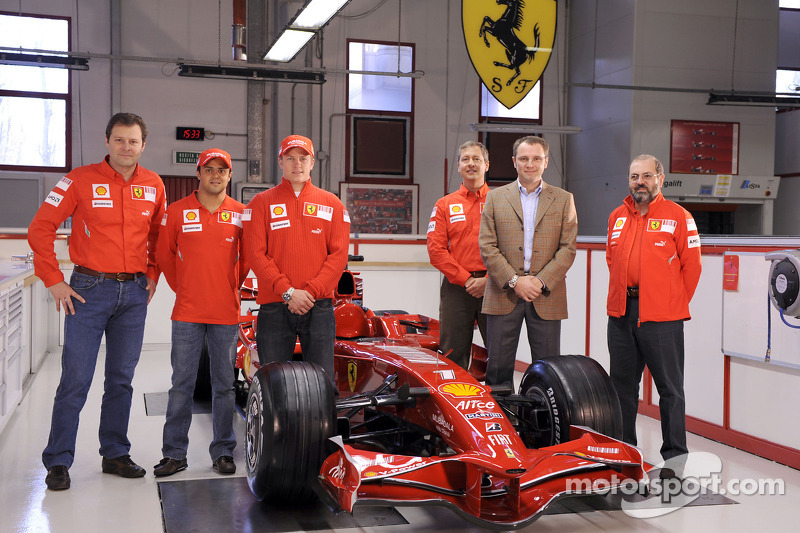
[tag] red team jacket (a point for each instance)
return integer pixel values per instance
(453, 234)
(114, 223)
(670, 259)
(200, 254)
(296, 241)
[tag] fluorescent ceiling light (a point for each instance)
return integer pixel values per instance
(249, 73)
(753, 100)
(41, 60)
(522, 128)
(317, 13)
(288, 44)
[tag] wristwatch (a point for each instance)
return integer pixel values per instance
(288, 295)
(512, 282)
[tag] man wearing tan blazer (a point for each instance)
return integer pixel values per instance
(527, 242)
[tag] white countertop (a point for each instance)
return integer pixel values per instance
(13, 271)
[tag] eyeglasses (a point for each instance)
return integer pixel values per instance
(210, 171)
(647, 176)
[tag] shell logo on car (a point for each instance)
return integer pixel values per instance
(461, 390)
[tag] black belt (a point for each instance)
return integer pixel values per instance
(478, 274)
(633, 292)
(119, 276)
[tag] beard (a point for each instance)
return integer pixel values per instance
(642, 195)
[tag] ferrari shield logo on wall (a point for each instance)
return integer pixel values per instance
(509, 43)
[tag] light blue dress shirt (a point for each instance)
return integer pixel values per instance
(530, 203)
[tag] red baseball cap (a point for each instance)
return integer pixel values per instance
(297, 141)
(214, 153)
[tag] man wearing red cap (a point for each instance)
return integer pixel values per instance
(200, 254)
(116, 207)
(297, 241)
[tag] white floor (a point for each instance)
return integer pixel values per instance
(105, 503)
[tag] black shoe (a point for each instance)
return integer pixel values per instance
(225, 465)
(122, 466)
(57, 478)
(169, 466)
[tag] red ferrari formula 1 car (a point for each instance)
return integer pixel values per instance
(405, 426)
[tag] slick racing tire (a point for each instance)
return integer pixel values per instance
(568, 390)
(290, 414)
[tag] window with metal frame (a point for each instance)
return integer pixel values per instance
(35, 106)
(380, 112)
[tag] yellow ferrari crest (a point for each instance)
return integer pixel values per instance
(509, 43)
(352, 375)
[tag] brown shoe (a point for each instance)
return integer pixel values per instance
(168, 466)
(57, 478)
(225, 465)
(122, 466)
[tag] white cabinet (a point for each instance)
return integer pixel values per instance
(13, 349)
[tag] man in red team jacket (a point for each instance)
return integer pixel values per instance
(199, 252)
(653, 255)
(116, 208)
(297, 241)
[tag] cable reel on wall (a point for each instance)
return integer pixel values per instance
(784, 281)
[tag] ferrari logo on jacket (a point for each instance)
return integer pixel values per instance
(225, 216)
(509, 43)
(137, 192)
(317, 210)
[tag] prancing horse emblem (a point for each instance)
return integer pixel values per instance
(509, 43)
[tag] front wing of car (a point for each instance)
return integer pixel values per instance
(473, 485)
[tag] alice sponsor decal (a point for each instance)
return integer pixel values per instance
(465, 405)
(431, 226)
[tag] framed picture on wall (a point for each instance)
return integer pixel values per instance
(381, 209)
(699, 147)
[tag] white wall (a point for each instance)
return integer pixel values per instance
(680, 44)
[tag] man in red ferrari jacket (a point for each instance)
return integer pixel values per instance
(653, 255)
(297, 240)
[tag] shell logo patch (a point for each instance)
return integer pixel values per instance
(101, 191)
(191, 215)
(620, 222)
(456, 209)
(461, 390)
(278, 210)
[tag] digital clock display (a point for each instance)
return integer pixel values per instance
(183, 133)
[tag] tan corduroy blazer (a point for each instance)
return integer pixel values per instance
(501, 241)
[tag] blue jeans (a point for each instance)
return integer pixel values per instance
(278, 331)
(187, 345)
(118, 309)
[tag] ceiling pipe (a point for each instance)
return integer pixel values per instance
(239, 30)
